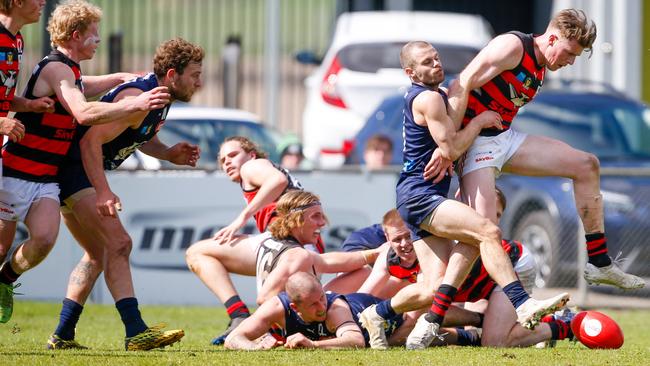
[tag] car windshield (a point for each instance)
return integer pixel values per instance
(610, 130)
(208, 134)
(371, 57)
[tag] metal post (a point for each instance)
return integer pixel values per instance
(231, 57)
(47, 12)
(115, 52)
(271, 61)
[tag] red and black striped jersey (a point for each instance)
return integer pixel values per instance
(396, 269)
(11, 54)
(48, 136)
(479, 285)
(510, 90)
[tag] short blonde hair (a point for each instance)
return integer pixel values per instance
(70, 16)
(573, 24)
(406, 54)
(392, 218)
(289, 209)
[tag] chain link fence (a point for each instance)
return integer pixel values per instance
(541, 214)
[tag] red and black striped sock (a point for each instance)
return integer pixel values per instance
(441, 302)
(559, 330)
(597, 250)
(236, 308)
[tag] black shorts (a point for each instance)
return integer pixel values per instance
(72, 179)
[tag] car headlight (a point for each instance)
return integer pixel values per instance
(617, 202)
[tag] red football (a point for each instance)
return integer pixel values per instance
(597, 330)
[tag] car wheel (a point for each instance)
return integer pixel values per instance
(537, 232)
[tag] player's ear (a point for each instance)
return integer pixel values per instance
(552, 39)
(171, 73)
(75, 35)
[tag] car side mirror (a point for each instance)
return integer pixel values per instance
(308, 58)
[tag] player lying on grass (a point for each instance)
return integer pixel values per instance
(308, 318)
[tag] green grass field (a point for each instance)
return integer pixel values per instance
(22, 342)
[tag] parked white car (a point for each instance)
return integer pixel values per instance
(361, 68)
(207, 128)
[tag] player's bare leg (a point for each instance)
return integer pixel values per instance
(213, 263)
(42, 220)
(543, 156)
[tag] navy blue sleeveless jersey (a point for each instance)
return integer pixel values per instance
(417, 198)
(72, 176)
(294, 324)
(358, 302)
(120, 148)
(369, 237)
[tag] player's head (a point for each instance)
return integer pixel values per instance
(234, 152)
(569, 32)
(421, 62)
(300, 215)
(398, 235)
(75, 24)
(25, 11)
(378, 152)
(307, 297)
(501, 203)
(177, 63)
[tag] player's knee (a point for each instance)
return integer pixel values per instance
(584, 165)
(425, 299)
(41, 245)
(591, 164)
(192, 259)
(490, 232)
(121, 246)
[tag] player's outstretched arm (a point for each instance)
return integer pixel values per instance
(60, 80)
(502, 53)
(268, 314)
(95, 85)
(334, 262)
(379, 275)
(271, 182)
(182, 153)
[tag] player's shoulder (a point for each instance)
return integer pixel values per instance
(129, 91)
(506, 44)
(255, 168)
(429, 102)
(57, 70)
(429, 96)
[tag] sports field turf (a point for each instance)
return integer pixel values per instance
(22, 342)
